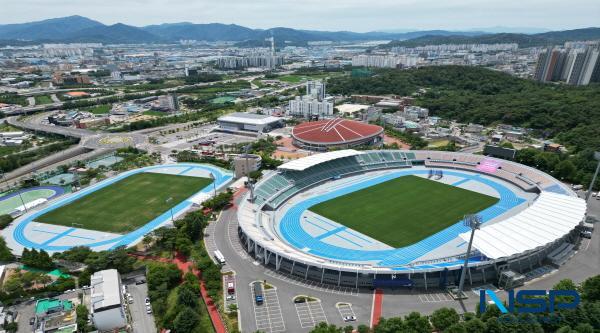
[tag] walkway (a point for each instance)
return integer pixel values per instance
(185, 266)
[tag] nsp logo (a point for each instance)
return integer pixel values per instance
(531, 301)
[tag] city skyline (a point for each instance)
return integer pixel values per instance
(354, 15)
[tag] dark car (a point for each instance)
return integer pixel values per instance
(142, 281)
(31, 321)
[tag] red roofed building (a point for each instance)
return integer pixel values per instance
(336, 133)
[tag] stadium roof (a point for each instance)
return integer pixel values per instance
(312, 160)
(248, 118)
(334, 131)
(548, 219)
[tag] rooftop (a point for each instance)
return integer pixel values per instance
(106, 289)
(248, 118)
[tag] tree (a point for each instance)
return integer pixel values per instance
(187, 297)
(348, 329)
(5, 254)
(362, 328)
(475, 325)
(590, 289)
(324, 328)
(443, 318)
(456, 328)
(82, 318)
(389, 325)
(5, 220)
(417, 323)
(186, 321)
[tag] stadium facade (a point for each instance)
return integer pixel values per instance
(534, 224)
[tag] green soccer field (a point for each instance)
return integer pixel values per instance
(403, 211)
(127, 204)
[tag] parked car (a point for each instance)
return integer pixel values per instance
(31, 321)
(349, 318)
(230, 297)
(148, 310)
(586, 234)
(142, 281)
(147, 301)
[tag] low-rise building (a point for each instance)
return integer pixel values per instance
(248, 122)
(54, 315)
(106, 301)
(246, 163)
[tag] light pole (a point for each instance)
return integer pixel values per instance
(472, 221)
(169, 199)
(213, 182)
(589, 191)
(18, 191)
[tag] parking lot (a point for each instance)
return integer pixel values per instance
(435, 297)
(268, 316)
(230, 298)
(322, 287)
(345, 310)
(141, 321)
(310, 313)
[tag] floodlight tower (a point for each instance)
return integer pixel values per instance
(472, 221)
(589, 191)
(250, 181)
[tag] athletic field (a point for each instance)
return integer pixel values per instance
(127, 204)
(403, 211)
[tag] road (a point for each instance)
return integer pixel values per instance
(142, 322)
(223, 235)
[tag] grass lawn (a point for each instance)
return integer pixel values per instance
(43, 99)
(100, 109)
(127, 204)
(405, 210)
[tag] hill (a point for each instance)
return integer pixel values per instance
(47, 29)
(524, 40)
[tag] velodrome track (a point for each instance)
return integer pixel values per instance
(25, 232)
(292, 231)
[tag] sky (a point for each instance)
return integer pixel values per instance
(351, 15)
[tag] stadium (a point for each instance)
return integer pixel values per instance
(117, 211)
(336, 133)
(396, 218)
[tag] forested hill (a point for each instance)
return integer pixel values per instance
(523, 40)
(474, 94)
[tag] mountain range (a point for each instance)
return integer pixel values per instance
(82, 29)
(523, 40)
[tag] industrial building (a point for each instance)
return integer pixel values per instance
(246, 163)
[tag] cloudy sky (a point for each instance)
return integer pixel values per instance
(354, 15)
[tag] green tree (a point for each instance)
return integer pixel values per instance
(417, 323)
(186, 321)
(443, 318)
(590, 289)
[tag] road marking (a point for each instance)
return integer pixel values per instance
(268, 316)
(345, 310)
(310, 314)
(434, 298)
(312, 284)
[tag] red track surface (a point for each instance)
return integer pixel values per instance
(334, 131)
(185, 266)
(377, 307)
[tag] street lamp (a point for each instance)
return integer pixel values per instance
(589, 191)
(169, 199)
(18, 191)
(213, 182)
(472, 221)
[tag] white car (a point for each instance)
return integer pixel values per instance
(349, 318)
(147, 301)
(230, 297)
(148, 310)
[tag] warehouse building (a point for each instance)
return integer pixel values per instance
(248, 122)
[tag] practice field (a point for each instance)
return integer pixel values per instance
(403, 211)
(10, 202)
(127, 204)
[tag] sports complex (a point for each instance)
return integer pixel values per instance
(396, 218)
(117, 211)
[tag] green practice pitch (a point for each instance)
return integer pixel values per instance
(127, 204)
(403, 211)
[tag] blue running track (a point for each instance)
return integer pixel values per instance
(222, 177)
(292, 231)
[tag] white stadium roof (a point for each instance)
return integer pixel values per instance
(312, 160)
(548, 219)
(248, 118)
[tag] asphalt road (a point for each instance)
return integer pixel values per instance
(141, 321)
(247, 271)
